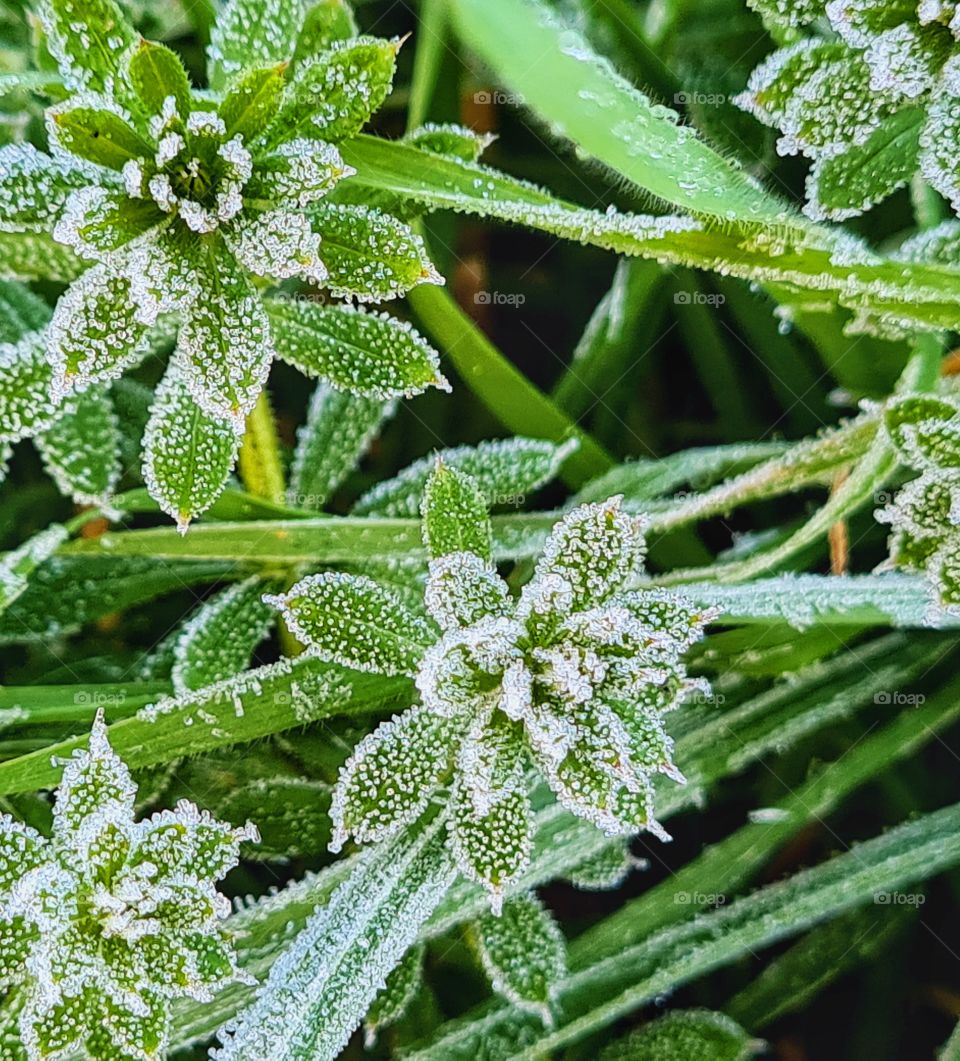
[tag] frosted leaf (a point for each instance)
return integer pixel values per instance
(939, 245)
(337, 432)
(912, 410)
(369, 255)
(399, 991)
(455, 517)
(88, 39)
(523, 952)
(225, 342)
(944, 573)
(941, 134)
(462, 588)
(81, 448)
(34, 188)
(332, 95)
(391, 775)
(102, 980)
(188, 455)
(96, 133)
(97, 220)
(932, 443)
(371, 354)
(277, 245)
(251, 33)
(218, 640)
(492, 759)
(634, 809)
(353, 621)
(300, 172)
(97, 330)
(925, 508)
(668, 614)
(156, 73)
(684, 1034)
(505, 472)
(594, 549)
(18, 565)
(492, 849)
(26, 378)
(606, 870)
(325, 24)
(453, 141)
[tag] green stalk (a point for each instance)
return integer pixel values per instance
(259, 464)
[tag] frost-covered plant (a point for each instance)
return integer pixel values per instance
(925, 515)
(572, 679)
(109, 920)
(869, 104)
(182, 204)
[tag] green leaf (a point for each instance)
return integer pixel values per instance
(156, 72)
(188, 455)
(96, 134)
(34, 256)
(326, 22)
(399, 991)
(332, 96)
(523, 952)
(457, 141)
(291, 814)
(251, 103)
(493, 848)
(88, 40)
(320, 989)
(388, 781)
(337, 432)
(251, 33)
(225, 340)
(370, 354)
(33, 188)
(298, 173)
(25, 384)
(98, 220)
(844, 185)
(353, 621)
(455, 515)
(81, 448)
(506, 472)
(370, 255)
(682, 1035)
(220, 637)
(17, 566)
(21, 311)
(789, 12)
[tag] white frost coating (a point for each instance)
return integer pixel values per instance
(17, 565)
(302, 171)
(574, 678)
(115, 918)
(319, 990)
(278, 245)
(34, 187)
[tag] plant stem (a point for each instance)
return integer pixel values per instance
(261, 470)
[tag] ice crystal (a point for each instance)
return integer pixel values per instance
(178, 198)
(572, 679)
(870, 105)
(109, 920)
(924, 517)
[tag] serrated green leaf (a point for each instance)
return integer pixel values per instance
(337, 432)
(523, 952)
(98, 220)
(326, 22)
(364, 353)
(251, 102)
(332, 95)
(220, 637)
(33, 188)
(88, 38)
(299, 173)
(25, 384)
(399, 991)
(370, 255)
(456, 518)
(290, 813)
(98, 135)
(682, 1035)
(493, 848)
(188, 455)
(81, 448)
(251, 33)
(844, 185)
(353, 621)
(506, 472)
(156, 72)
(456, 141)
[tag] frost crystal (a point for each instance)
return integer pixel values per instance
(184, 201)
(573, 679)
(109, 920)
(869, 108)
